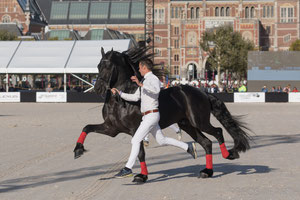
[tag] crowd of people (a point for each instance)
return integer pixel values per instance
(286, 89)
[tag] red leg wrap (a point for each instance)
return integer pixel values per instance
(209, 163)
(81, 138)
(224, 151)
(144, 168)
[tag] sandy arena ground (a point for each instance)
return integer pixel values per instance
(37, 163)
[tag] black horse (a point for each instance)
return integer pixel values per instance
(187, 106)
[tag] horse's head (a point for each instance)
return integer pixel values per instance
(106, 72)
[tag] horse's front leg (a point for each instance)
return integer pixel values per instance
(98, 128)
(143, 176)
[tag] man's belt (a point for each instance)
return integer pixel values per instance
(149, 111)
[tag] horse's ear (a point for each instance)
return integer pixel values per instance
(102, 52)
(110, 54)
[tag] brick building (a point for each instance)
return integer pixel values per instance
(25, 14)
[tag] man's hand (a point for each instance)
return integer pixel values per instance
(135, 79)
(115, 90)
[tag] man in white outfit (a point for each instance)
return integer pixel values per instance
(148, 94)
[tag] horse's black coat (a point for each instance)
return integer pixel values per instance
(185, 105)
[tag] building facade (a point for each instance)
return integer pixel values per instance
(179, 24)
(271, 25)
(25, 14)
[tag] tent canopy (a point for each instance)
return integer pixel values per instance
(48, 57)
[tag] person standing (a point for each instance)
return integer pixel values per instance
(148, 94)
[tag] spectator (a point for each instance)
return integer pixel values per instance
(279, 89)
(242, 88)
(287, 89)
(49, 89)
(264, 89)
(235, 88)
(295, 90)
(273, 89)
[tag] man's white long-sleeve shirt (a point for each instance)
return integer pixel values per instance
(148, 93)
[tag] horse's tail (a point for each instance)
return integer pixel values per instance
(232, 124)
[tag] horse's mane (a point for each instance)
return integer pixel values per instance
(136, 54)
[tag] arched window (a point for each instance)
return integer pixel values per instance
(246, 12)
(192, 12)
(227, 11)
(197, 12)
(6, 19)
(217, 12)
(222, 12)
(252, 12)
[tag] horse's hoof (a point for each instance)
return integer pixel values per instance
(206, 173)
(233, 155)
(140, 178)
(79, 150)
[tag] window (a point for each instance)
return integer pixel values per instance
(157, 39)
(287, 38)
(246, 12)
(268, 11)
(227, 11)
(176, 70)
(78, 10)
(157, 52)
(176, 44)
(138, 10)
(15, 8)
(176, 57)
(97, 34)
(172, 12)
(6, 9)
(268, 30)
(6, 19)
(197, 12)
(252, 12)
(176, 30)
(176, 12)
(59, 10)
(286, 14)
(222, 12)
(159, 16)
(192, 12)
(60, 34)
(99, 10)
(119, 10)
(217, 11)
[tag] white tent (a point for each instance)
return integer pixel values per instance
(7, 50)
(56, 57)
(59, 57)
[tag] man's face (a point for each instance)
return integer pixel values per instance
(143, 69)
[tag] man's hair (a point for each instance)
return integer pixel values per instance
(148, 63)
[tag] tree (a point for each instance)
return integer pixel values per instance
(295, 46)
(227, 50)
(5, 35)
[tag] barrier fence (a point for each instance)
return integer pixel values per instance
(63, 97)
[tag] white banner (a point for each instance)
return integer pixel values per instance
(249, 97)
(50, 97)
(10, 97)
(294, 97)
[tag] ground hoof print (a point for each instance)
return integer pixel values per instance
(233, 155)
(79, 150)
(206, 173)
(140, 178)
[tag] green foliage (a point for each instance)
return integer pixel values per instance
(295, 46)
(227, 49)
(53, 38)
(5, 35)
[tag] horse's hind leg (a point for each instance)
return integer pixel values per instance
(204, 142)
(143, 176)
(218, 134)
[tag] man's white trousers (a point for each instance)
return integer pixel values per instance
(149, 124)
